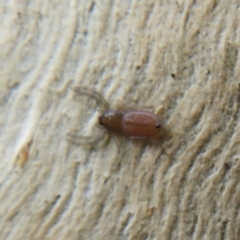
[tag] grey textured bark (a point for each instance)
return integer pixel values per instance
(179, 57)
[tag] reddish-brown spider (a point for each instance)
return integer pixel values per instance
(131, 123)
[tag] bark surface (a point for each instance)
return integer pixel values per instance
(179, 57)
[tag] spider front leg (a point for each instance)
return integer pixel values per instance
(78, 139)
(101, 102)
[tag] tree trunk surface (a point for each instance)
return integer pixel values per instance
(179, 58)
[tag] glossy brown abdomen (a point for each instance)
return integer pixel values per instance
(140, 124)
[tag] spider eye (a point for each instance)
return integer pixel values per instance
(158, 126)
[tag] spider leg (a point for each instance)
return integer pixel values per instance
(101, 102)
(77, 139)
